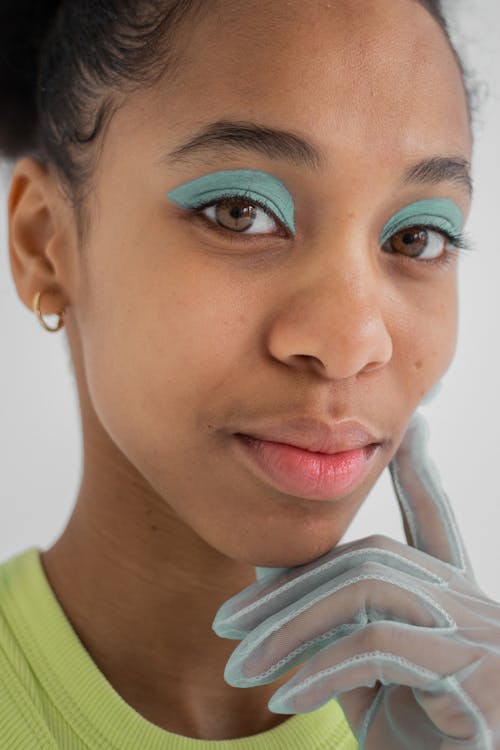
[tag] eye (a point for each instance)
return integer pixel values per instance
(237, 215)
(422, 243)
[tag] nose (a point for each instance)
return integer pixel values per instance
(333, 321)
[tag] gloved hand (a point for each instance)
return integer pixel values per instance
(401, 635)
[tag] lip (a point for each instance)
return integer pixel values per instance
(306, 474)
(317, 436)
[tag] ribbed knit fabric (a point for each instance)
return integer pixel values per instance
(52, 694)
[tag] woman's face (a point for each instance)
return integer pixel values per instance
(191, 332)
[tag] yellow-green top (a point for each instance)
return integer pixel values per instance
(52, 694)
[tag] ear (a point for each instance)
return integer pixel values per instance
(41, 235)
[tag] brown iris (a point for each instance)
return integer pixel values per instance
(235, 214)
(410, 241)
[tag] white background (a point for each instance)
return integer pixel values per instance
(40, 441)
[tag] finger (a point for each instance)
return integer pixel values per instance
(355, 705)
(424, 505)
(391, 712)
(369, 593)
(388, 652)
(395, 713)
(268, 574)
(246, 610)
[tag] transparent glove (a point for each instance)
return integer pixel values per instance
(400, 635)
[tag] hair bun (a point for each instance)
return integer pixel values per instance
(23, 28)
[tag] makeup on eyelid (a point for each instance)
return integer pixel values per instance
(245, 182)
(441, 213)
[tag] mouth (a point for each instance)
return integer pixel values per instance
(308, 474)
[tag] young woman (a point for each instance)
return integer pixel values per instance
(247, 216)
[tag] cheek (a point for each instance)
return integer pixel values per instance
(160, 347)
(428, 338)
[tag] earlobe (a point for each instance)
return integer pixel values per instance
(32, 230)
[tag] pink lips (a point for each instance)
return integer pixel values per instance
(316, 435)
(308, 474)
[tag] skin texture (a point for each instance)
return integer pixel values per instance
(180, 338)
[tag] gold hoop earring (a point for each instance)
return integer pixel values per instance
(36, 308)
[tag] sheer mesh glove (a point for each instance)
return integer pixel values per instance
(400, 635)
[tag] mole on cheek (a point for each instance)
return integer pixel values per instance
(418, 364)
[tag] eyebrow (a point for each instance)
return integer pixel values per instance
(223, 135)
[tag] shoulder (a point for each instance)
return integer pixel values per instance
(22, 725)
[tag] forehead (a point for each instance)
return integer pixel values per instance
(379, 71)
(371, 77)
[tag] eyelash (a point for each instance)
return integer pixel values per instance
(460, 242)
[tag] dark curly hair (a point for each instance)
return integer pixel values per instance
(61, 64)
